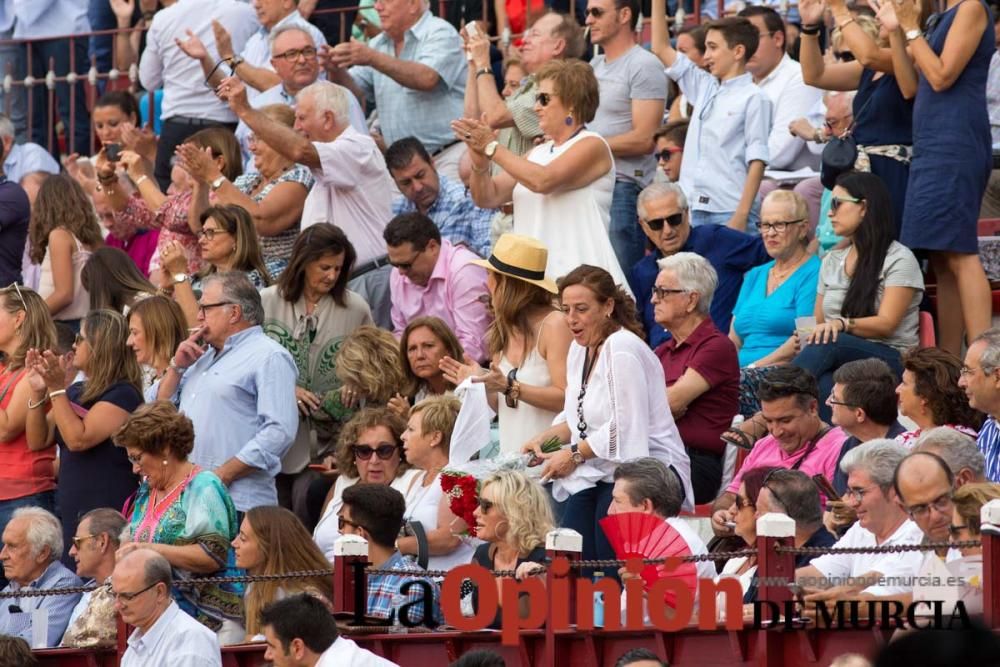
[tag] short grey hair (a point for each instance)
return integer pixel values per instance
(156, 570)
(44, 530)
(958, 450)
(879, 458)
(296, 27)
(990, 358)
(328, 96)
(797, 495)
(660, 190)
(106, 521)
(651, 478)
(694, 273)
(238, 289)
(6, 126)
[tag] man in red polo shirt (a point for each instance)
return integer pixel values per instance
(700, 363)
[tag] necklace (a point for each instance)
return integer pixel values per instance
(185, 478)
(552, 148)
(588, 367)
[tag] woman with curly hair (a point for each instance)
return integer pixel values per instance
(930, 396)
(369, 370)
(370, 449)
(272, 540)
(64, 232)
(513, 518)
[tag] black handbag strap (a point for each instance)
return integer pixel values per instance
(812, 445)
(423, 548)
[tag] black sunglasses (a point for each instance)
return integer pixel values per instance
(656, 224)
(844, 56)
(510, 401)
(596, 12)
(384, 452)
(742, 502)
(543, 99)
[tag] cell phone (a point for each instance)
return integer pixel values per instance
(113, 152)
(826, 487)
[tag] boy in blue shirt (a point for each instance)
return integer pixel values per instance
(726, 147)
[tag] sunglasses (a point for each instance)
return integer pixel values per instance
(511, 402)
(406, 266)
(742, 502)
(364, 452)
(20, 297)
(656, 224)
(835, 202)
(665, 154)
(343, 523)
(596, 12)
(844, 56)
(543, 99)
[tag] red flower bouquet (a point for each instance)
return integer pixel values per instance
(462, 490)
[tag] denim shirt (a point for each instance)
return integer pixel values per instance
(59, 607)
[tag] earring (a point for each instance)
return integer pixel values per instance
(165, 462)
(569, 120)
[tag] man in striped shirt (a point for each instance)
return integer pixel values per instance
(981, 381)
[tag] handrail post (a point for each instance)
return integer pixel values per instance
(989, 517)
(349, 551)
(775, 571)
(562, 543)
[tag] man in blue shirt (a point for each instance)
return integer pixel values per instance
(980, 379)
(664, 216)
(32, 546)
(238, 387)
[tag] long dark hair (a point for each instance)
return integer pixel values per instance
(112, 279)
(872, 239)
(315, 241)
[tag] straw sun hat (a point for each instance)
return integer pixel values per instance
(520, 257)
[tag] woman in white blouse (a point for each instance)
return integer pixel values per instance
(615, 408)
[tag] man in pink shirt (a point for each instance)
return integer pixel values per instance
(434, 278)
(797, 438)
(353, 189)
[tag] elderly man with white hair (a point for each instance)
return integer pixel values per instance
(700, 363)
(353, 189)
(958, 450)
(32, 546)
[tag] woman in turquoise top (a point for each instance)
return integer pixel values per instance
(774, 294)
(183, 513)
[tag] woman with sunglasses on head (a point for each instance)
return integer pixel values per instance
(272, 541)
(228, 242)
(26, 473)
(273, 193)
(310, 312)
(528, 341)
(868, 293)
(369, 449)
(743, 515)
(82, 416)
(774, 294)
(184, 513)
(562, 188)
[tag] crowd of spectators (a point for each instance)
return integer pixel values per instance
(301, 280)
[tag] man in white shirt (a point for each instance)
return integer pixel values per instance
(20, 160)
(164, 635)
(881, 521)
(188, 104)
(300, 632)
(353, 189)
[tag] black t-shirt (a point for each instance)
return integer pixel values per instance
(484, 557)
(14, 214)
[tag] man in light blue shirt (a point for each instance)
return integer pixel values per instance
(726, 147)
(238, 388)
(32, 546)
(20, 160)
(164, 635)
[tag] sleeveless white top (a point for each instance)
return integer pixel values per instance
(422, 503)
(573, 224)
(520, 424)
(80, 305)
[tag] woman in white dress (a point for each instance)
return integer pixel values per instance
(562, 189)
(615, 408)
(528, 341)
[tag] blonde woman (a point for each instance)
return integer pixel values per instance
(528, 340)
(368, 368)
(965, 523)
(513, 518)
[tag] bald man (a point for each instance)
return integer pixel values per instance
(924, 485)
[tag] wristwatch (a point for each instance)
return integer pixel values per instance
(180, 278)
(576, 455)
(491, 148)
(217, 183)
(912, 34)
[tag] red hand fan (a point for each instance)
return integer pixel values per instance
(640, 535)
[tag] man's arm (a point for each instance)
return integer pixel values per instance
(404, 72)
(470, 314)
(307, 7)
(646, 117)
(284, 139)
(484, 86)
(796, 100)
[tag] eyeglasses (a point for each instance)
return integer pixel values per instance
(596, 12)
(664, 292)
(835, 202)
(383, 451)
(743, 501)
(859, 494)
(955, 530)
(513, 84)
(941, 505)
(20, 297)
(511, 377)
(210, 233)
(543, 99)
(969, 370)
(656, 224)
(406, 266)
(343, 523)
(830, 400)
(486, 505)
(128, 597)
(774, 494)
(291, 55)
(778, 227)
(135, 459)
(202, 307)
(665, 154)
(77, 541)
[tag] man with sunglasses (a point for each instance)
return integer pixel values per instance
(980, 378)
(633, 90)
(98, 536)
(164, 635)
(665, 219)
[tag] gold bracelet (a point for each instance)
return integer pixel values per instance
(480, 171)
